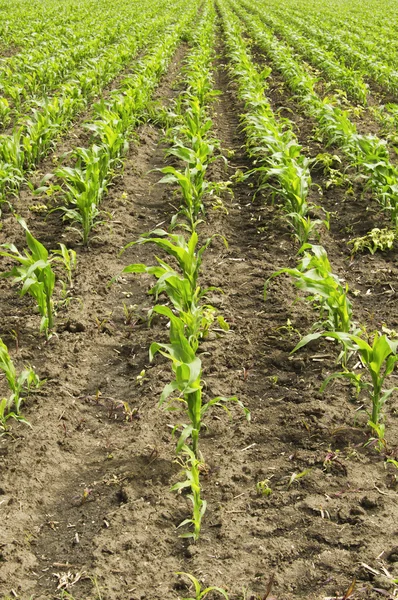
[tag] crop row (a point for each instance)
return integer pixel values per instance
(367, 64)
(28, 78)
(368, 153)
(279, 164)
(30, 142)
(368, 34)
(275, 147)
(189, 316)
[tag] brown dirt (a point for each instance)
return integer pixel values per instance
(87, 492)
(8, 51)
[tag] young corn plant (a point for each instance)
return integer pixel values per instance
(12, 151)
(35, 273)
(67, 257)
(10, 181)
(192, 471)
(5, 112)
(110, 129)
(10, 408)
(86, 184)
(186, 388)
(378, 358)
(181, 288)
(192, 179)
(38, 138)
(324, 289)
(199, 593)
(195, 124)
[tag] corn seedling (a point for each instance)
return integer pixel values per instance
(192, 471)
(297, 476)
(12, 151)
(140, 378)
(4, 112)
(67, 257)
(110, 130)
(392, 462)
(199, 593)
(86, 184)
(192, 184)
(18, 384)
(315, 277)
(187, 368)
(131, 314)
(35, 274)
(379, 359)
(180, 287)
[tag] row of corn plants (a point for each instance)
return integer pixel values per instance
(21, 150)
(87, 181)
(271, 143)
(29, 78)
(372, 69)
(360, 31)
(337, 75)
(368, 153)
(33, 270)
(34, 274)
(189, 124)
(189, 321)
(313, 274)
(188, 314)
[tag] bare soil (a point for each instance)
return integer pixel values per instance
(85, 493)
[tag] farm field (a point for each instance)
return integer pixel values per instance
(198, 287)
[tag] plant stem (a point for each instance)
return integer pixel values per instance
(49, 313)
(375, 407)
(194, 401)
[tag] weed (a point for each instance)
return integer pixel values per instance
(376, 239)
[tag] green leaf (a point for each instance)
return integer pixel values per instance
(135, 268)
(187, 431)
(306, 340)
